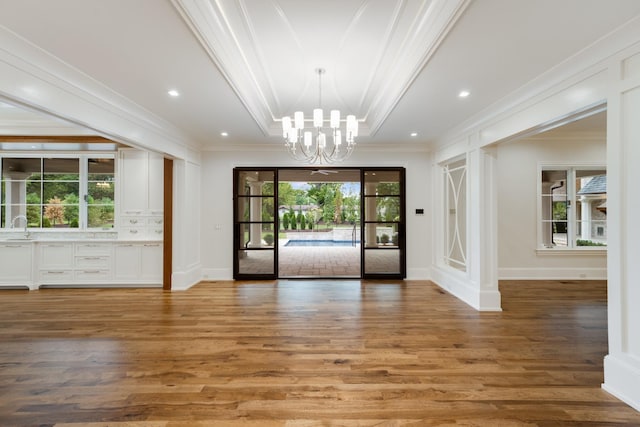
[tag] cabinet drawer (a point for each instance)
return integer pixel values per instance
(56, 255)
(155, 222)
(93, 249)
(56, 276)
(156, 233)
(132, 232)
(88, 275)
(93, 262)
(132, 221)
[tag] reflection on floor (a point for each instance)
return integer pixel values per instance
(320, 261)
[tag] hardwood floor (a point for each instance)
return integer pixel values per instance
(305, 353)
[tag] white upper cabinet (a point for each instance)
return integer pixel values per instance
(133, 178)
(141, 194)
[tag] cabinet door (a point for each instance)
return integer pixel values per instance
(151, 262)
(127, 261)
(55, 255)
(133, 179)
(15, 263)
(156, 184)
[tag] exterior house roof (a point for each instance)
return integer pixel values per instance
(597, 185)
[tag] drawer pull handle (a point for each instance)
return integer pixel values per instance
(55, 272)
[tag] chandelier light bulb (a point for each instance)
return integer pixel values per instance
(299, 119)
(317, 118)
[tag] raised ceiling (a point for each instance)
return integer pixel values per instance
(240, 65)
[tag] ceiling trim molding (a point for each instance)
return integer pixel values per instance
(429, 30)
(229, 37)
(36, 80)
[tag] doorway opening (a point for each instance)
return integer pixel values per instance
(319, 216)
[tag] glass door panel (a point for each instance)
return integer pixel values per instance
(254, 227)
(383, 234)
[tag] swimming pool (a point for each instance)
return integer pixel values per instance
(320, 243)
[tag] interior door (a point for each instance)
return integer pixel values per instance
(383, 214)
(254, 232)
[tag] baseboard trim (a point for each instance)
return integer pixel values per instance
(552, 273)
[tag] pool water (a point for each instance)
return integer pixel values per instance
(320, 243)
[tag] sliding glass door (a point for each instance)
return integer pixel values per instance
(380, 225)
(255, 233)
(383, 233)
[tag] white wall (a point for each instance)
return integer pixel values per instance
(217, 203)
(518, 175)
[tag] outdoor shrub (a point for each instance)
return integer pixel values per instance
(285, 221)
(268, 239)
(384, 239)
(588, 243)
(394, 239)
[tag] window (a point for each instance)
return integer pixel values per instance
(58, 192)
(573, 207)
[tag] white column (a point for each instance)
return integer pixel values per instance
(482, 231)
(16, 196)
(622, 364)
(255, 213)
(585, 219)
(547, 211)
(370, 214)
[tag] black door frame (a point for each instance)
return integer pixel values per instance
(237, 224)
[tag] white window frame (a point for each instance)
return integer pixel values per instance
(571, 169)
(83, 183)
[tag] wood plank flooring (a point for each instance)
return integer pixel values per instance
(305, 353)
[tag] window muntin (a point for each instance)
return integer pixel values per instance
(573, 207)
(58, 192)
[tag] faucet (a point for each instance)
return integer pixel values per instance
(26, 224)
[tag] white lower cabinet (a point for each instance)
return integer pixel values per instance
(82, 263)
(92, 263)
(16, 264)
(55, 263)
(138, 262)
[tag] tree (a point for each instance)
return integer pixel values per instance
(285, 221)
(33, 209)
(337, 201)
(71, 208)
(351, 208)
(293, 224)
(54, 211)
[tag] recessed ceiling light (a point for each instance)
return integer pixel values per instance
(224, 134)
(464, 93)
(414, 134)
(173, 93)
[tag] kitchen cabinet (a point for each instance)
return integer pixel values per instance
(141, 194)
(76, 263)
(55, 262)
(16, 264)
(138, 262)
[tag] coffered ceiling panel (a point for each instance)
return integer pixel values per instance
(371, 51)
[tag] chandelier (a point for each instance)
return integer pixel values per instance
(313, 145)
